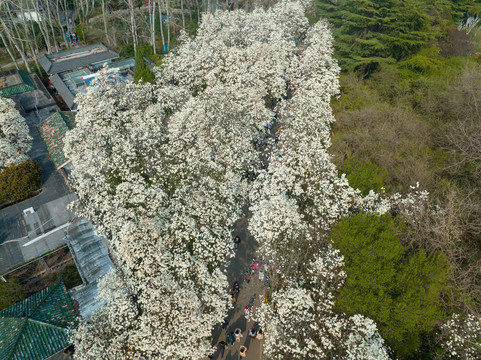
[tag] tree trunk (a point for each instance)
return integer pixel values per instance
(51, 25)
(152, 19)
(104, 17)
(31, 40)
(8, 49)
(15, 43)
(59, 22)
(168, 23)
(67, 17)
(198, 11)
(161, 24)
(41, 26)
(182, 9)
(132, 24)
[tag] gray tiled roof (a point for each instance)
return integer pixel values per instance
(71, 59)
(63, 91)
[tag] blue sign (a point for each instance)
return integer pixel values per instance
(166, 47)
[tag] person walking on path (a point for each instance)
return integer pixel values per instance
(235, 287)
(252, 333)
(222, 346)
(230, 338)
(243, 351)
(237, 241)
(260, 335)
(238, 334)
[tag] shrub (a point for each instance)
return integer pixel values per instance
(19, 181)
(364, 175)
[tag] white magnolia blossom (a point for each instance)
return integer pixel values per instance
(461, 337)
(163, 206)
(15, 140)
(294, 202)
(161, 169)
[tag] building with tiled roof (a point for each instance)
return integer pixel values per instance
(76, 58)
(52, 131)
(14, 82)
(37, 328)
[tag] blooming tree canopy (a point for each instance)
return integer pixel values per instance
(161, 169)
(15, 141)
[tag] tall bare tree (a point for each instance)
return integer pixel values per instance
(8, 49)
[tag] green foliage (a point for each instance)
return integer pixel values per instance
(10, 292)
(142, 71)
(19, 181)
(81, 30)
(148, 51)
(371, 31)
(364, 175)
(389, 283)
(127, 50)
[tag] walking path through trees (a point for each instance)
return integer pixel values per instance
(245, 265)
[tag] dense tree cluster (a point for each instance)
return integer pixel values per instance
(372, 32)
(161, 169)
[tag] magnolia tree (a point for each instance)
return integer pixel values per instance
(160, 168)
(294, 203)
(146, 172)
(15, 141)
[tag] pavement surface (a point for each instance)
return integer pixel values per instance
(248, 296)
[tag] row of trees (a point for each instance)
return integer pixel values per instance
(372, 32)
(27, 27)
(160, 168)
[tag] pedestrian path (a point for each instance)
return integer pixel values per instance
(248, 296)
(251, 292)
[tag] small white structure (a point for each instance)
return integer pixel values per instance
(29, 16)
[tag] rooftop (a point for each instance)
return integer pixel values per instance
(36, 328)
(92, 258)
(13, 82)
(70, 83)
(76, 58)
(52, 131)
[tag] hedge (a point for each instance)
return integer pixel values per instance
(18, 181)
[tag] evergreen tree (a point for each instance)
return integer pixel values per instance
(142, 71)
(369, 32)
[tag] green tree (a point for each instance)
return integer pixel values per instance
(11, 292)
(142, 71)
(389, 283)
(369, 32)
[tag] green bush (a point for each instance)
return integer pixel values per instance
(80, 30)
(388, 282)
(19, 181)
(364, 175)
